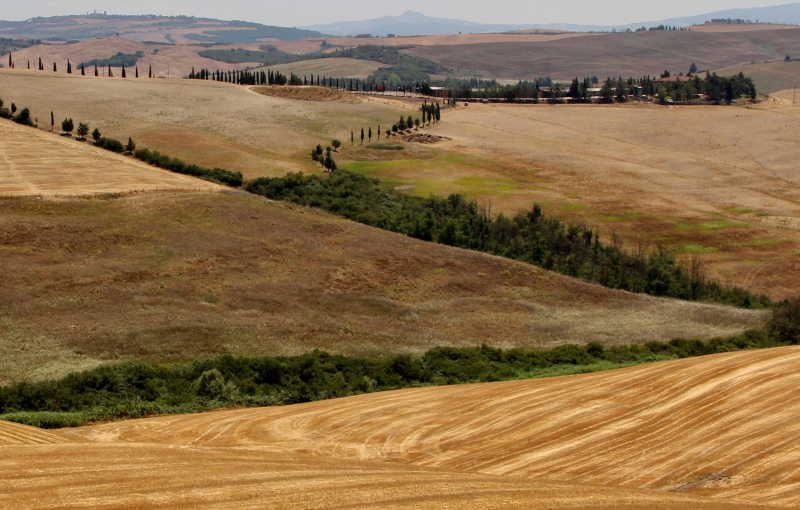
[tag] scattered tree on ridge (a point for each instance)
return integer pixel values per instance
(67, 126)
(96, 135)
(82, 131)
(336, 144)
(130, 146)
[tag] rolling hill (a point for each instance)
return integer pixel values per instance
(626, 55)
(715, 432)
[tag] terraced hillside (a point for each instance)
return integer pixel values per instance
(715, 432)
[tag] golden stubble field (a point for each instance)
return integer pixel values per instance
(714, 432)
(34, 162)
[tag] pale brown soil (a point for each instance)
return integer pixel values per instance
(177, 276)
(44, 164)
(750, 27)
(309, 93)
(455, 39)
(716, 432)
(335, 67)
(626, 55)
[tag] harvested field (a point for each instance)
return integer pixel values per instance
(35, 162)
(337, 67)
(461, 39)
(309, 93)
(636, 54)
(173, 277)
(770, 77)
(715, 432)
(202, 122)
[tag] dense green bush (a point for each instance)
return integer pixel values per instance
(24, 117)
(110, 144)
(530, 236)
(233, 179)
(137, 389)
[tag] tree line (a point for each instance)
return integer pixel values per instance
(138, 389)
(218, 175)
(528, 236)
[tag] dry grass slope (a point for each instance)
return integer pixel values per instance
(183, 275)
(34, 162)
(723, 426)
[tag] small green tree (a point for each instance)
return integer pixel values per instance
(336, 144)
(130, 146)
(663, 95)
(402, 124)
(693, 68)
(788, 58)
(416, 124)
(67, 126)
(96, 135)
(24, 117)
(13, 108)
(314, 156)
(395, 128)
(409, 122)
(319, 151)
(83, 130)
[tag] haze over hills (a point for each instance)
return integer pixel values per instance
(414, 23)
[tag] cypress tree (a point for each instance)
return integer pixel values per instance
(110, 74)
(41, 66)
(83, 69)
(137, 71)
(29, 64)
(52, 121)
(55, 67)
(150, 73)
(370, 134)
(96, 72)
(69, 67)
(11, 62)
(123, 72)
(362, 136)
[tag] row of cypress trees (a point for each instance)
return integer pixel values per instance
(82, 68)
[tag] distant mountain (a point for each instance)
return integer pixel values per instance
(788, 14)
(415, 23)
(148, 27)
(411, 23)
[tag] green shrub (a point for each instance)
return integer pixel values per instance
(219, 175)
(111, 144)
(24, 117)
(46, 420)
(387, 147)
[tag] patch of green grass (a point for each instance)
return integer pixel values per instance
(767, 242)
(762, 214)
(568, 206)
(575, 197)
(696, 248)
(712, 225)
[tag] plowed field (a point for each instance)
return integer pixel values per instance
(713, 432)
(34, 162)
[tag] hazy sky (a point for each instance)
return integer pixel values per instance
(308, 12)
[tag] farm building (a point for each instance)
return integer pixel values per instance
(440, 92)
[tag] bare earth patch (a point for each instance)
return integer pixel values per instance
(308, 93)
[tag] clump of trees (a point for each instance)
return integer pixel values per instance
(138, 389)
(529, 236)
(219, 175)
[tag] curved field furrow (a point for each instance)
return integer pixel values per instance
(14, 434)
(162, 476)
(724, 425)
